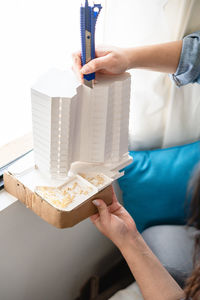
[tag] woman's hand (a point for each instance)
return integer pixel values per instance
(154, 281)
(113, 60)
(114, 222)
(109, 60)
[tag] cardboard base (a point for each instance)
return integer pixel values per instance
(52, 215)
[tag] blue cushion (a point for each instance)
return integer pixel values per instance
(155, 185)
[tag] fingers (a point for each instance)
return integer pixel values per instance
(102, 209)
(114, 196)
(103, 216)
(93, 218)
(115, 204)
(76, 57)
(96, 65)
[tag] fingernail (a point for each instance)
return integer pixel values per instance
(96, 202)
(85, 69)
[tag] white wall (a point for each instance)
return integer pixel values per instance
(40, 262)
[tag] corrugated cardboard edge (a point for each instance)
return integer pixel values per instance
(55, 217)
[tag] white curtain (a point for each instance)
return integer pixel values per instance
(162, 115)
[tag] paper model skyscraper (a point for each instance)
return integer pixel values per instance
(80, 145)
(80, 137)
(75, 126)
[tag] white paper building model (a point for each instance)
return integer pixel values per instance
(76, 128)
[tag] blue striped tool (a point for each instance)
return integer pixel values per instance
(88, 14)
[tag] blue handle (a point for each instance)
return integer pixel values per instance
(88, 16)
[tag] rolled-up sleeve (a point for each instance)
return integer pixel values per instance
(188, 70)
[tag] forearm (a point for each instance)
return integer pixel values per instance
(161, 57)
(153, 279)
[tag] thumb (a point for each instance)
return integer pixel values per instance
(104, 215)
(95, 65)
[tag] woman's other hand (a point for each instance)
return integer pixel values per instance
(114, 222)
(109, 60)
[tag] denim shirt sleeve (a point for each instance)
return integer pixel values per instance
(188, 70)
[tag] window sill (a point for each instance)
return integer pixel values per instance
(15, 149)
(6, 200)
(9, 153)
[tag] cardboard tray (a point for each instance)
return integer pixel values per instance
(52, 215)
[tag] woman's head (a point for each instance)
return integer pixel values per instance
(194, 187)
(192, 289)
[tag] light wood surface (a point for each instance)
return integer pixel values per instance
(16, 148)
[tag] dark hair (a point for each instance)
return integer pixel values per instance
(192, 289)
